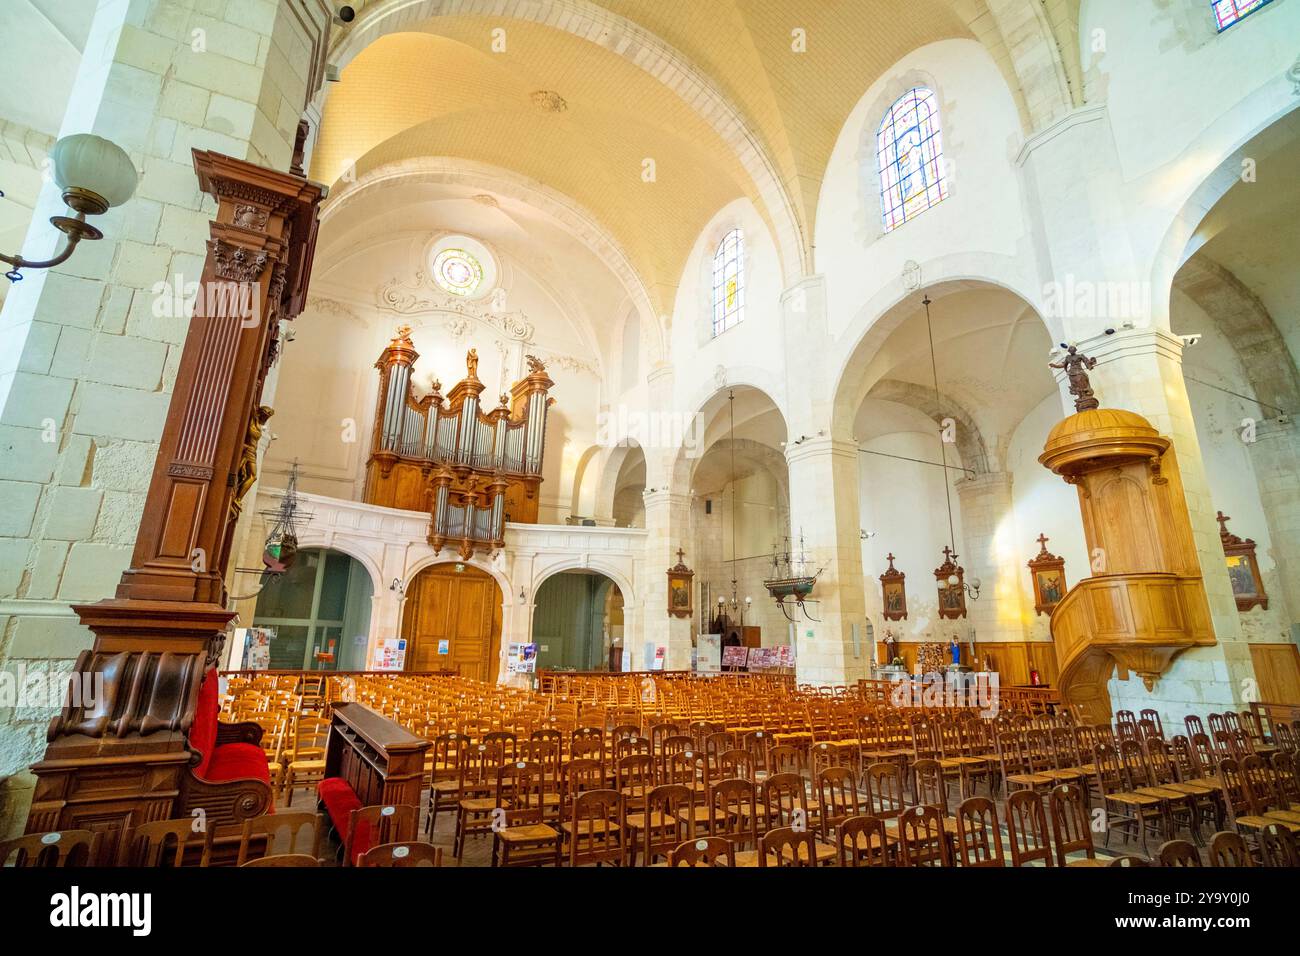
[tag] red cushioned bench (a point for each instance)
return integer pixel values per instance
(229, 779)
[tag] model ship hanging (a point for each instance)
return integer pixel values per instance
(281, 548)
(790, 582)
(471, 470)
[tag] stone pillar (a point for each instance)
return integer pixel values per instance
(1275, 453)
(990, 554)
(1141, 370)
(824, 509)
(89, 351)
(668, 527)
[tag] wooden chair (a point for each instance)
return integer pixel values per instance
(56, 848)
(407, 853)
(273, 828)
(284, 859)
(979, 838)
(165, 843)
(476, 785)
(371, 826)
(704, 851)
(1123, 861)
(1142, 811)
(1178, 853)
(885, 798)
(922, 840)
(664, 823)
(837, 798)
(1229, 849)
(733, 815)
(520, 834)
(444, 775)
(787, 846)
(305, 754)
(593, 833)
(862, 841)
(1072, 825)
(1277, 846)
(1027, 828)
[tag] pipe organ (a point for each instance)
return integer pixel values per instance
(472, 470)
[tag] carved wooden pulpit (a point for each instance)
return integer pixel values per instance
(117, 761)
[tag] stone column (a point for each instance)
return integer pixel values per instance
(990, 554)
(1141, 370)
(824, 510)
(89, 351)
(1275, 453)
(668, 527)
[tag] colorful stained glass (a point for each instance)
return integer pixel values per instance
(729, 282)
(1228, 12)
(457, 272)
(909, 150)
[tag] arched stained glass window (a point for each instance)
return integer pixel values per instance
(1228, 12)
(909, 149)
(729, 282)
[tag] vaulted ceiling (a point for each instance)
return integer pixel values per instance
(728, 98)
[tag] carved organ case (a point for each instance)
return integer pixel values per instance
(472, 470)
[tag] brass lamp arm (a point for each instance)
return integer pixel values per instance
(74, 229)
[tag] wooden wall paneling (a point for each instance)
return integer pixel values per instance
(463, 608)
(1277, 669)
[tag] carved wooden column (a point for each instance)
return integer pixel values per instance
(119, 761)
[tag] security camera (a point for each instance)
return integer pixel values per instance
(1110, 331)
(345, 14)
(1191, 339)
(864, 534)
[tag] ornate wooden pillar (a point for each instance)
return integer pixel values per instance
(118, 760)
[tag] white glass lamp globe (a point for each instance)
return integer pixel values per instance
(93, 173)
(952, 580)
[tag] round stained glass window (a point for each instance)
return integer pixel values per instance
(457, 272)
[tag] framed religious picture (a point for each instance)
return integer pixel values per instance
(950, 578)
(1243, 568)
(680, 588)
(894, 593)
(1048, 573)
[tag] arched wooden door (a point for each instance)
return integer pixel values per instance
(461, 607)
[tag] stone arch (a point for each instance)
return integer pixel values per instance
(351, 549)
(1250, 330)
(1256, 127)
(709, 399)
(647, 51)
(880, 316)
(423, 564)
(970, 441)
(595, 565)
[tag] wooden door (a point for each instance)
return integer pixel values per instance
(462, 608)
(1277, 671)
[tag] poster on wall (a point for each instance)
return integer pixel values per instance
(256, 644)
(657, 664)
(521, 659)
(734, 658)
(785, 656)
(444, 646)
(390, 654)
(708, 653)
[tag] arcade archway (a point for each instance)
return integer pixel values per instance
(452, 621)
(578, 622)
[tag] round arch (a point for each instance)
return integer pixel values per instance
(596, 566)
(351, 549)
(709, 399)
(1252, 131)
(881, 315)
